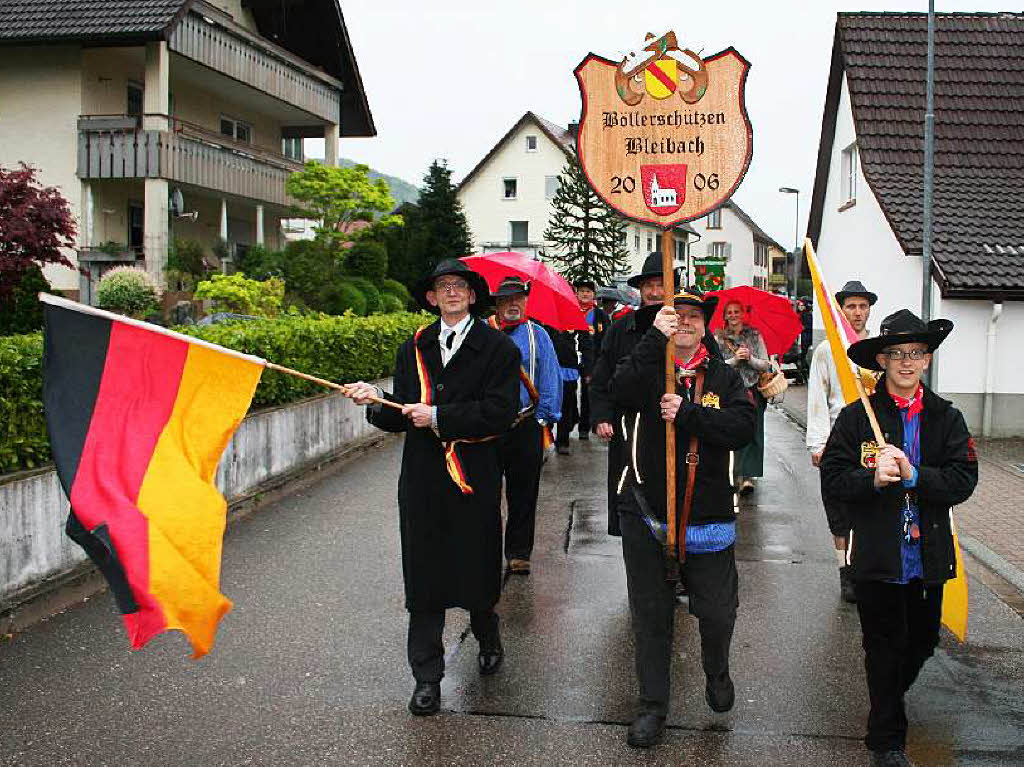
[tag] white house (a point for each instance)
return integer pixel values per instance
(866, 209)
(507, 195)
(729, 233)
(160, 119)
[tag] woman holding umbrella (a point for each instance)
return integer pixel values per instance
(744, 349)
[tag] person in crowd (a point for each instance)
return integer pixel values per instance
(824, 401)
(619, 341)
(540, 402)
(712, 415)
(743, 349)
(586, 290)
(898, 498)
(457, 381)
(608, 300)
(575, 352)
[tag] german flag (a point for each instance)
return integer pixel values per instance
(138, 418)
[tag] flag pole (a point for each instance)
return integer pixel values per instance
(329, 384)
(669, 283)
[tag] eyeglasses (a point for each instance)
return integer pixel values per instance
(898, 355)
(451, 287)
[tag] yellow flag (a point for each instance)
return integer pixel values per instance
(954, 595)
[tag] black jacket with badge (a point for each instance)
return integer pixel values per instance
(723, 420)
(947, 476)
(451, 542)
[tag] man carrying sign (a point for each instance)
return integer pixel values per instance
(713, 415)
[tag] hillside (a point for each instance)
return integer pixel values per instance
(401, 189)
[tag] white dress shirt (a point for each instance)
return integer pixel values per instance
(460, 329)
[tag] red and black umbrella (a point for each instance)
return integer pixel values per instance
(772, 315)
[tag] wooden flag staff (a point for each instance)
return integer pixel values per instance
(329, 384)
(669, 283)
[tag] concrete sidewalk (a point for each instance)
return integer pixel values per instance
(991, 522)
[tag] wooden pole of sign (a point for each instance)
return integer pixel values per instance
(669, 282)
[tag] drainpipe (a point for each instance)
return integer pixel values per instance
(990, 370)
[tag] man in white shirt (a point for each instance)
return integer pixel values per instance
(824, 402)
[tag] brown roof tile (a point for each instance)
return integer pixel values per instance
(46, 20)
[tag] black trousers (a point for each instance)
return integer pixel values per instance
(584, 407)
(570, 413)
(901, 630)
(522, 457)
(713, 586)
(426, 648)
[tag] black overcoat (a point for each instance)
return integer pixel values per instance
(947, 476)
(451, 542)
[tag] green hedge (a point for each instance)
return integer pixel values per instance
(24, 443)
(341, 349)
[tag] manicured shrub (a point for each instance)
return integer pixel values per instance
(374, 305)
(237, 293)
(342, 297)
(369, 259)
(127, 290)
(397, 289)
(24, 443)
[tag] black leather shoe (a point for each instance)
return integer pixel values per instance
(426, 699)
(647, 730)
(897, 757)
(720, 693)
(491, 655)
(562, 449)
(846, 585)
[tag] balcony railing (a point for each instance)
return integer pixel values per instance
(113, 146)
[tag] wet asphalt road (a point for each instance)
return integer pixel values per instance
(309, 668)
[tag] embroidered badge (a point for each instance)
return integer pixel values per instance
(711, 400)
(868, 454)
(972, 454)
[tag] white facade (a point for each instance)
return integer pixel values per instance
(856, 242)
(746, 264)
(530, 162)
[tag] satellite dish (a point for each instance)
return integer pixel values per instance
(176, 202)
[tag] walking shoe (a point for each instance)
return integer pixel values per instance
(896, 757)
(746, 486)
(491, 654)
(682, 595)
(562, 449)
(720, 693)
(519, 566)
(849, 594)
(426, 699)
(646, 730)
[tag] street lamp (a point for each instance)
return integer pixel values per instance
(796, 237)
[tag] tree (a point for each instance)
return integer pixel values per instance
(338, 198)
(35, 223)
(588, 235)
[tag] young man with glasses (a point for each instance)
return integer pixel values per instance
(898, 496)
(457, 380)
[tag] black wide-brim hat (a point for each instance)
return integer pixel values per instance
(584, 283)
(455, 267)
(511, 286)
(903, 327)
(651, 268)
(692, 297)
(855, 288)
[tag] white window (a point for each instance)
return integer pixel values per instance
(715, 219)
(531, 143)
(650, 244)
(680, 250)
(519, 232)
(292, 148)
(236, 129)
(550, 187)
(848, 192)
(636, 242)
(510, 187)
(718, 249)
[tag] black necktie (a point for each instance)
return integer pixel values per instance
(451, 340)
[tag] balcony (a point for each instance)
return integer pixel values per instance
(114, 146)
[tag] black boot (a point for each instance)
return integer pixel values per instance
(647, 730)
(491, 654)
(426, 699)
(720, 693)
(846, 585)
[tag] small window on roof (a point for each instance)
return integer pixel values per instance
(531, 143)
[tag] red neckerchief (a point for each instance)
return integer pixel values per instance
(622, 312)
(696, 360)
(508, 327)
(914, 405)
(586, 306)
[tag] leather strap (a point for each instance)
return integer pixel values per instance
(692, 459)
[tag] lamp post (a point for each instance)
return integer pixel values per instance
(796, 238)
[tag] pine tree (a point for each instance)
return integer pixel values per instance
(436, 228)
(587, 234)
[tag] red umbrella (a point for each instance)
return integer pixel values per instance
(552, 300)
(772, 315)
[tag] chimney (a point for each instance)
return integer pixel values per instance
(574, 130)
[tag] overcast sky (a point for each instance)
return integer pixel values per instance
(447, 79)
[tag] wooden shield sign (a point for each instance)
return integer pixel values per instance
(664, 135)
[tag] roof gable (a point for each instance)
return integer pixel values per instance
(978, 208)
(758, 232)
(558, 135)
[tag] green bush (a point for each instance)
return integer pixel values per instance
(367, 258)
(259, 262)
(397, 289)
(341, 349)
(392, 303)
(342, 297)
(185, 264)
(23, 438)
(374, 304)
(236, 293)
(21, 311)
(127, 290)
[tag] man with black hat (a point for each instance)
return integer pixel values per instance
(898, 497)
(586, 291)
(458, 382)
(540, 402)
(713, 415)
(619, 341)
(824, 401)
